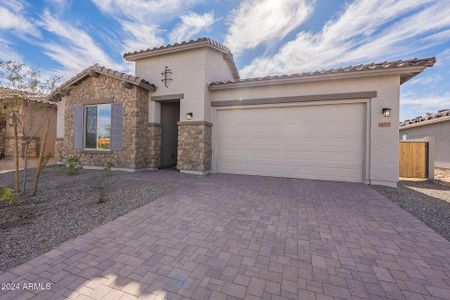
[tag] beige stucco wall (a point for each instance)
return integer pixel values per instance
(192, 70)
(382, 163)
(188, 78)
(441, 133)
(33, 117)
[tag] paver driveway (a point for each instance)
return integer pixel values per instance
(231, 236)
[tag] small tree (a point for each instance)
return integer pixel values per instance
(27, 87)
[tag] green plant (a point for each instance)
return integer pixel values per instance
(108, 166)
(7, 194)
(73, 165)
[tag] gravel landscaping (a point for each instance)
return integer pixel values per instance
(428, 201)
(67, 206)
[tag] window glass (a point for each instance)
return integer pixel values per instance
(98, 126)
(104, 126)
(91, 127)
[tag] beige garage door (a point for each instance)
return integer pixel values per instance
(316, 142)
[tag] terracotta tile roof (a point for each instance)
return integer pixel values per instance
(134, 80)
(386, 65)
(9, 94)
(203, 41)
(440, 116)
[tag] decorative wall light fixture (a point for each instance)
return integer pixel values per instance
(386, 112)
(189, 116)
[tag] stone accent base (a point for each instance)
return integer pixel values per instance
(194, 146)
(153, 145)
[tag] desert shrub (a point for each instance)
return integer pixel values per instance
(102, 182)
(8, 195)
(73, 165)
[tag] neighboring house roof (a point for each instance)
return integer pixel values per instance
(94, 71)
(406, 68)
(441, 116)
(186, 45)
(10, 94)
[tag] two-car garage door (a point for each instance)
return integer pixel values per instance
(316, 142)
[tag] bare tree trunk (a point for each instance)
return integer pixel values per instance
(25, 167)
(41, 157)
(16, 155)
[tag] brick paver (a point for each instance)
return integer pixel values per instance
(248, 237)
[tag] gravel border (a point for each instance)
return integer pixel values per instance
(428, 201)
(66, 207)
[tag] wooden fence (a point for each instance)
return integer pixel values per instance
(413, 159)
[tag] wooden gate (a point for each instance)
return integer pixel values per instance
(413, 159)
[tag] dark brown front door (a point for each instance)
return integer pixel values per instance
(170, 115)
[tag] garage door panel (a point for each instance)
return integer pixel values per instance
(317, 142)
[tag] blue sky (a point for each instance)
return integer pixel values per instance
(266, 36)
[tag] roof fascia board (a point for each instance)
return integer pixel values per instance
(319, 77)
(86, 74)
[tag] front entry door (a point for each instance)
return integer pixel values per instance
(170, 115)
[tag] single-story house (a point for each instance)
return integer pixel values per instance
(33, 111)
(436, 126)
(187, 107)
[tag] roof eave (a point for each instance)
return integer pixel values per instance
(152, 53)
(318, 77)
(424, 123)
(59, 93)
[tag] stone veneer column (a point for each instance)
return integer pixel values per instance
(194, 147)
(154, 145)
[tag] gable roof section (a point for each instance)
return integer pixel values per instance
(94, 71)
(406, 68)
(441, 116)
(187, 45)
(10, 94)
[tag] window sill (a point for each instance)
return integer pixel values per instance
(97, 151)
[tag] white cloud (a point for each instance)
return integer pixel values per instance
(140, 18)
(440, 36)
(256, 21)
(366, 30)
(191, 25)
(150, 10)
(427, 92)
(143, 36)
(59, 5)
(12, 18)
(7, 52)
(413, 106)
(78, 50)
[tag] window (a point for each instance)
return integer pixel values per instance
(403, 136)
(97, 130)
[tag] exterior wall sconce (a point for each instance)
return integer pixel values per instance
(386, 112)
(189, 116)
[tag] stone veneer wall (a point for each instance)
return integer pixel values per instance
(2, 135)
(194, 146)
(135, 138)
(154, 145)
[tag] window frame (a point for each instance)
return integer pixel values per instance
(96, 133)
